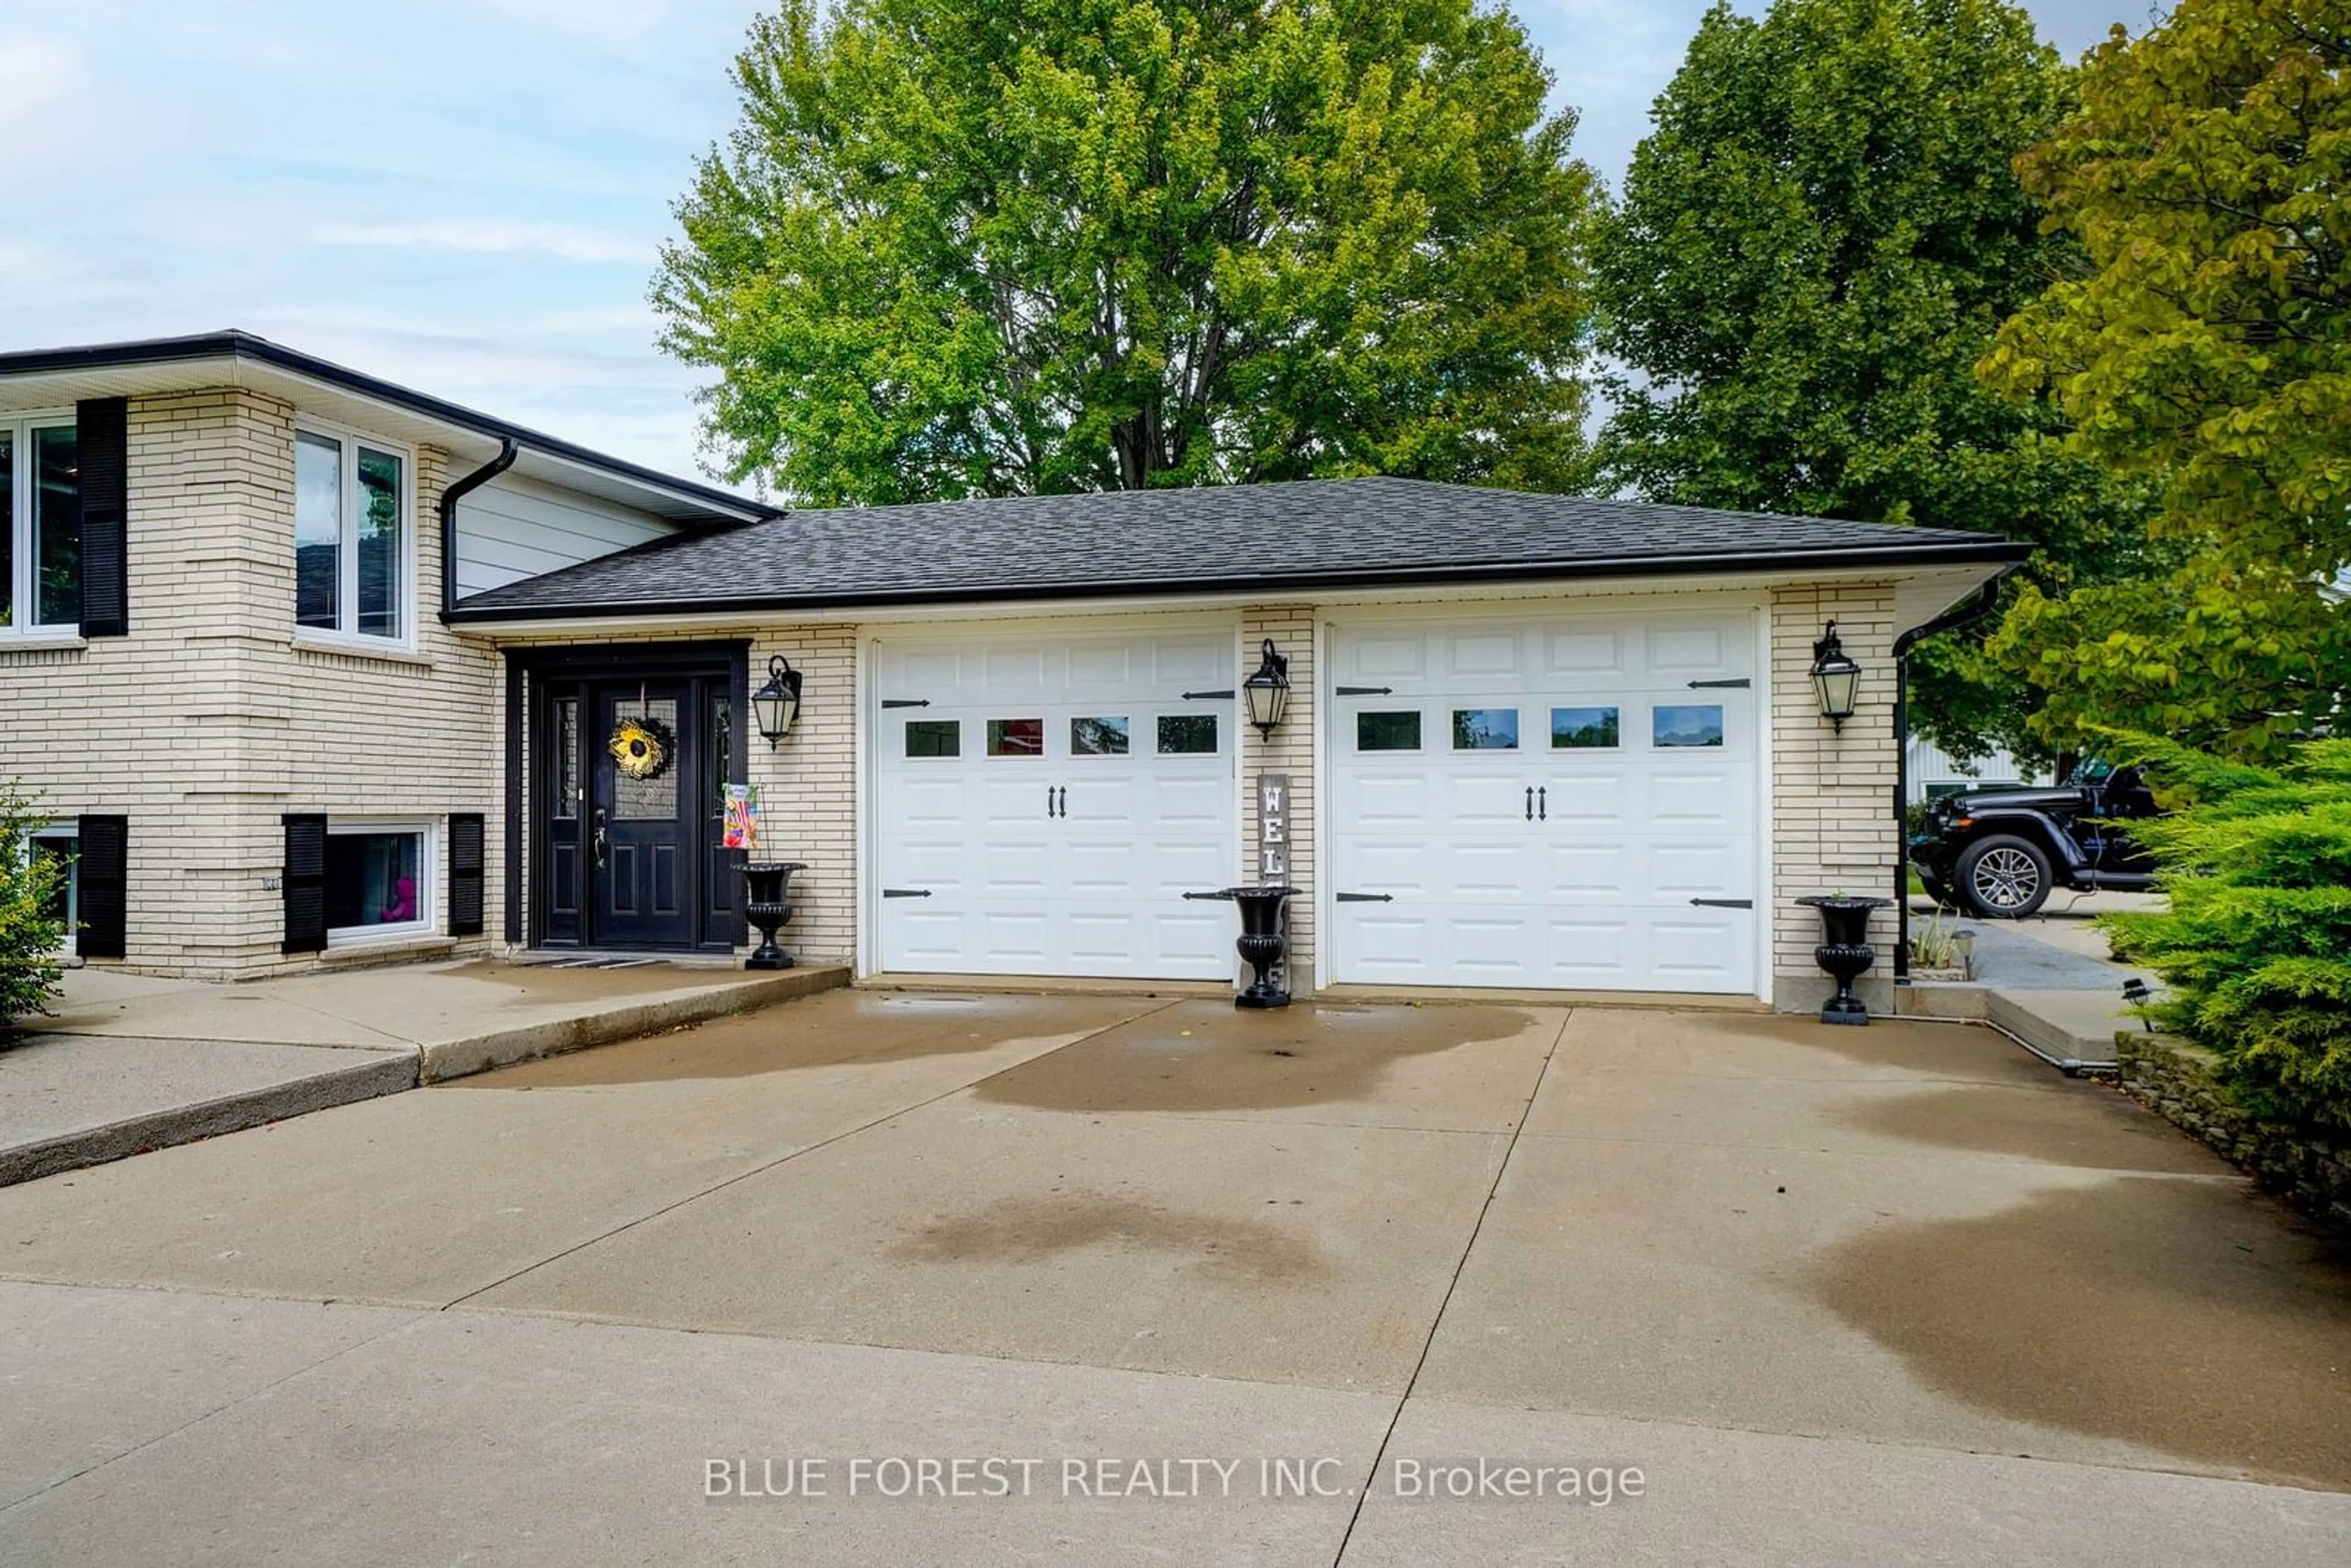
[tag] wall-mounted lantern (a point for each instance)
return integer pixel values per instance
(1837, 679)
(778, 704)
(1268, 690)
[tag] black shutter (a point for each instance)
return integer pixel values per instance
(465, 873)
(102, 886)
(102, 445)
(305, 883)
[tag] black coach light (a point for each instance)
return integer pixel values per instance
(1268, 690)
(778, 702)
(1837, 679)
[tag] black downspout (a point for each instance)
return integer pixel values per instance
(1973, 608)
(450, 496)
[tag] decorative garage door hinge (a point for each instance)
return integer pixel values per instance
(905, 892)
(1724, 903)
(1739, 684)
(905, 702)
(1368, 898)
(1364, 691)
(1223, 697)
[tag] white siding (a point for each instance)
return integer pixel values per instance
(1929, 765)
(513, 527)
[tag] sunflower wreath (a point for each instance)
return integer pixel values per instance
(641, 747)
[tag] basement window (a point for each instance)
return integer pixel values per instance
(379, 880)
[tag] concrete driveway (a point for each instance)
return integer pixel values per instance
(1837, 1295)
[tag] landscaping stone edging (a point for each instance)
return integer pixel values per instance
(2179, 1080)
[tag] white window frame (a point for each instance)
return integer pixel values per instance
(66, 828)
(23, 569)
(346, 635)
(428, 880)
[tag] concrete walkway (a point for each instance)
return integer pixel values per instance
(1840, 1296)
(124, 1063)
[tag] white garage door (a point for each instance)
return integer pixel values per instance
(1570, 804)
(1045, 805)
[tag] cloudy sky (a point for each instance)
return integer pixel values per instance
(466, 198)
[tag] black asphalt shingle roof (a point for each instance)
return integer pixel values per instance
(1253, 537)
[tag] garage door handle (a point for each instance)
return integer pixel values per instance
(1531, 802)
(1542, 802)
(905, 892)
(1724, 903)
(1368, 898)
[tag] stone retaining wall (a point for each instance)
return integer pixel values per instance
(2181, 1081)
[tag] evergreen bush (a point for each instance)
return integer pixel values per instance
(2256, 947)
(30, 933)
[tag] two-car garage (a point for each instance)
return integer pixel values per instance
(1527, 801)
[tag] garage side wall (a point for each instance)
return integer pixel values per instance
(807, 788)
(1290, 751)
(1831, 821)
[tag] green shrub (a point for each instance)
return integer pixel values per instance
(30, 933)
(2257, 944)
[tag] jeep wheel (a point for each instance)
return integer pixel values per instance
(2003, 877)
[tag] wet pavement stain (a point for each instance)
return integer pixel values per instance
(1206, 1057)
(1023, 1230)
(2084, 1125)
(2193, 1317)
(1931, 1050)
(837, 1029)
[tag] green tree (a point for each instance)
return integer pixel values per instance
(2256, 946)
(1814, 247)
(985, 247)
(2206, 344)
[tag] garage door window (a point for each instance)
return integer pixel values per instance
(1187, 735)
(1485, 730)
(934, 738)
(1672, 727)
(1388, 731)
(1582, 728)
(1097, 737)
(1016, 738)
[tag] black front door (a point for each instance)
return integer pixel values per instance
(644, 814)
(628, 781)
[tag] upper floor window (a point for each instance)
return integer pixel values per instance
(350, 537)
(40, 525)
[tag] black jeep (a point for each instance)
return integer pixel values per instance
(1998, 853)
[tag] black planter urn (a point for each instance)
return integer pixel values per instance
(1261, 942)
(1844, 951)
(767, 904)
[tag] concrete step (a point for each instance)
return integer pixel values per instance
(2072, 1026)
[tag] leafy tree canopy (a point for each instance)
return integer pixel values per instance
(983, 247)
(2206, 344)
(1814, 247)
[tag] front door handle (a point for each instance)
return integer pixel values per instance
(603, 841)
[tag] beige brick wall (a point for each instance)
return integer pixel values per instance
(807, 788)
(206, 723)
(1832, 789)
(1289, 750)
